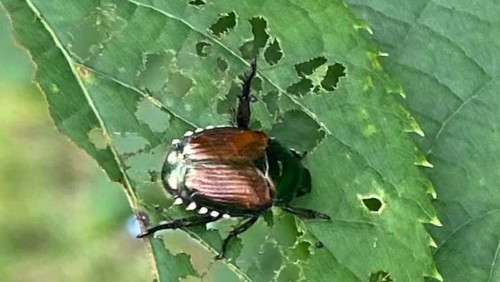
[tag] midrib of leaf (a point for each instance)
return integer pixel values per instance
(130, 192)
(450, 117)
(494, 261)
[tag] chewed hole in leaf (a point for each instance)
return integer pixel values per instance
(129, 143)
(380, 276)
(224, 23)
(259, 32)
(90, 35)
(284, 231)
(301, 251)
(202, 48)
(271, 101)
(256, 124)
(227, 106)
(197, 3)
(250, 49)
(255, 87)
(153, 74)
(333, 74)
(151, 115)
(98, 138)
(373, 203)
(315, 75)
(178, 243)
(307, 68)
(268, 218)
(291, 272)
(273, 52)
(298, 130)
(268, 264)
(247, 50)
(179, 84)
(300, 88)
(222, 64)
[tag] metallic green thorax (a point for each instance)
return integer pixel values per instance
(290, 177)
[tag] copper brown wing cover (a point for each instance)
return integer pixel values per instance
(226, 145)
(240, 187)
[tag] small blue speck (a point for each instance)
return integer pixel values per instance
(133, 227)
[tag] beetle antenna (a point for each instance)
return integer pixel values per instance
(305, 213)
(245, 93)
(243, 113)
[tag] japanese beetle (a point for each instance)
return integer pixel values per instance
(232, 171)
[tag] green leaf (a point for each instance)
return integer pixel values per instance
(122, 79)
(20, 66)
(445, 53)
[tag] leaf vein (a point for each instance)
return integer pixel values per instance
(466, 223)
(494, 261)
(453, 114)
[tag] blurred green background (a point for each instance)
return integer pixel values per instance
(61, 218)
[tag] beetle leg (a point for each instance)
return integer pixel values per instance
(305, 187)
(305, 213)
(237, 230)
(243, 113)
(178, 223)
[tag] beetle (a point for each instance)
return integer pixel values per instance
(233, 171)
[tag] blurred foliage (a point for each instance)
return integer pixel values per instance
(61, 219)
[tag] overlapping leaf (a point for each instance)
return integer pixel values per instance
(446, 55)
